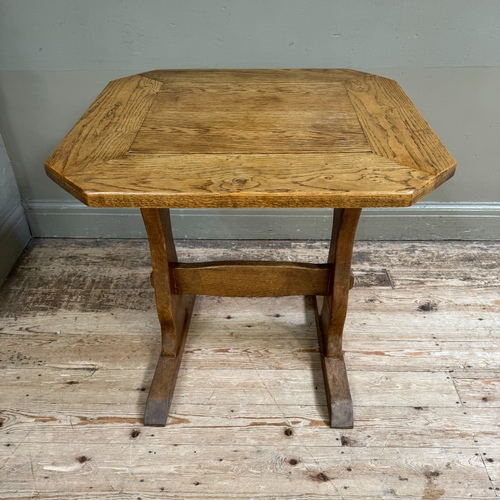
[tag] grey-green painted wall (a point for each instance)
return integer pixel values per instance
(14, 230)
(56, 55)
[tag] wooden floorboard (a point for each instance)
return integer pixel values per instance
(79, 341)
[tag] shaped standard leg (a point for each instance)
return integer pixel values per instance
(330, 321)
(174, 313)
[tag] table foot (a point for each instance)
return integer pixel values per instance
(163, 385)
(338, 394)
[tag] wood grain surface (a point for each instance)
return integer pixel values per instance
(79, 342)
(107, 128)
(251, 118)
(294, 75)
(251, 181)
(337, 391)
(252, 278)
(161, 392)
(334, 307)
(251, 138)
(169, 305)
(394, 127)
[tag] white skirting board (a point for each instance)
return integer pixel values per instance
(424, 221)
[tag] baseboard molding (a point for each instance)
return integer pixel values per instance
(14, 236)
(424, 221)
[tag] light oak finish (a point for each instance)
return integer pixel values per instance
(169, 305)
(333, 312)
(174, 313)
(252, 181)
(70, 401)
(249, 119)
(252, 279)
(331, 318)
(251, 138)
(338, 394)
(194, 76)
(105, 131)
(162, 387)
(394, 127)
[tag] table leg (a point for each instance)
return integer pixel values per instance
(330, 321)
(174, 313)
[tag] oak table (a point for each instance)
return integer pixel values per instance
(251, 139)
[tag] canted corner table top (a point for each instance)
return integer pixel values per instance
(251, 138)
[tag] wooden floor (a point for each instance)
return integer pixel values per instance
(79, 340)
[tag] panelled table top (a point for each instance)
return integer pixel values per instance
(251, 138)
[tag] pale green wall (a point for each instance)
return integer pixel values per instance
(131, 35)
(56, 55)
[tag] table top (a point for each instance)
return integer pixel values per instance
(251, 138)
